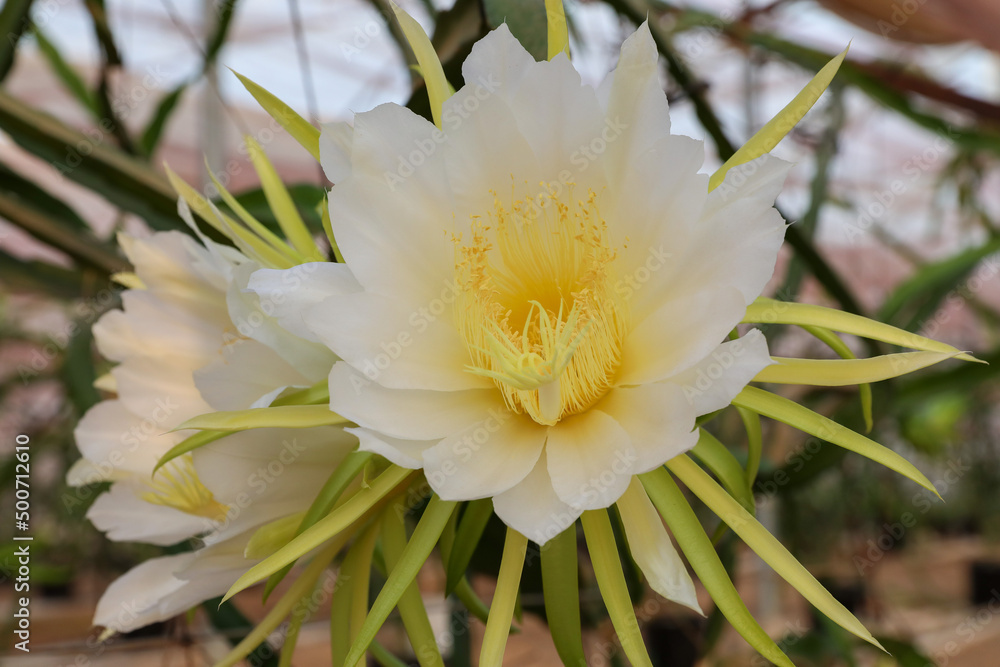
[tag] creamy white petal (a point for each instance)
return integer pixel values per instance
(408, 413)
(390, 216)
(713, 382)
(159, 391)
(405, 453)
(678, 334)
(116, 440)
(563, 123)
(245, 372)
(737, 241)
(135, 599)
(487, 458)
(288, 293)
(124, 516)
(397, 345)
(497, 62)
(636, 101)
(532, 507)
(253, 318)
(590, 459)
(658, 419)
(652, 549)
(335, 141)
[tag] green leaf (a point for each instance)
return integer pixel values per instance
(438, 88)
(40, 199)
(301, 130)
(66, 74)
(17, 275)
(81, 245)
(843, 372)
(358, 506)
(272, 536)
(504, 599)
(224, 18)
(123, 181)
(284, 416)
(691, 537)
(765, 544)
(804, 419)
(611, 581)
(411, 605)
(717, 458)
(769, 311)
(421, 543)
(561, 588)
(15, 17)
(150, 137)
(470, 529)
(528, 22)
(78, 369)
(775, 129)
(913, 303)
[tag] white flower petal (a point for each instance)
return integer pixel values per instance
(123, 516)
(395, 345)
(335, 141)
(405, 453)
(135, 599)
(532, 507)
(159, 391)
(416, 414)
(590, 459)
(288, 293)
(497, 62)
(715, 381)
(737, 241)
(390, 216)
(245, 372)
(636, 100)
(115, 440)
(252, 318)
(487, 458)
(678, 334)
(658, 419)
(563, 123)
(652, 549)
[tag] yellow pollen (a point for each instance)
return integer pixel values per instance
(537, 304)
(177, 485)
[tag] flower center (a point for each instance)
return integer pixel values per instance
(537, 304)
(177, 485)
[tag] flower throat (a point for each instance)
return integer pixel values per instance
(537, 304)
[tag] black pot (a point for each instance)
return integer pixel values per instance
(984, 577)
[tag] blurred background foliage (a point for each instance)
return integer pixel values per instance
(920, 256)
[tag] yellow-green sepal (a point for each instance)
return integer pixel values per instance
(778, 127)
(694, 542)
(284, 416)
(791, 413)
(301, 130)
(765, 545)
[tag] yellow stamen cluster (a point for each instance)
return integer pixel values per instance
(177, 485)
(537, 304)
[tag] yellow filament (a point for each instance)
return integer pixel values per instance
(177, 485)
(537, 303)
